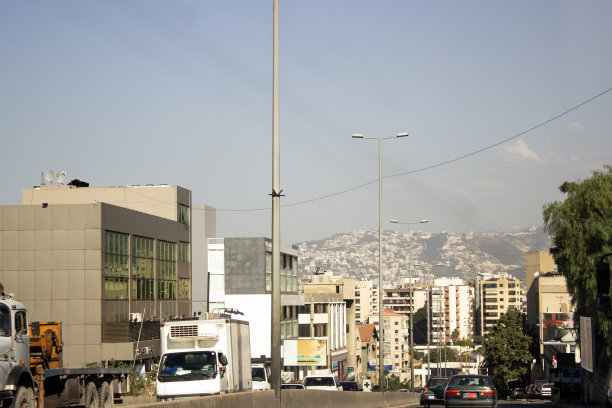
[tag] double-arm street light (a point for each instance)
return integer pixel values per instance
(381, 377)
(411, 294)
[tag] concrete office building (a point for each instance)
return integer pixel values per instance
(97, 259)
(240, 278)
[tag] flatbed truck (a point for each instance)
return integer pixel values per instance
(31, 366)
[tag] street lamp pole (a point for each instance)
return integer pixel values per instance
(411, 296)
(381, 372)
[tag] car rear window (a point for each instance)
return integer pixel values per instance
(470, 381)
(319, 382)
(434, 382)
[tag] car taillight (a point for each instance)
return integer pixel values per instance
(488, 392)
(452, 393)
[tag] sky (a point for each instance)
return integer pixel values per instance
(503, 102)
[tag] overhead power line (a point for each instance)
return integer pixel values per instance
(433, 166)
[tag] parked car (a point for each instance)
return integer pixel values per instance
(327, 382)
(537, 388)
(517, 393)
(433, 393)
(546, 390)
(292, 386)
(469, 391)
(349, 385)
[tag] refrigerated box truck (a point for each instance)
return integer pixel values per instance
(203, 357)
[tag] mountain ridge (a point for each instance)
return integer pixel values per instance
(447, 254)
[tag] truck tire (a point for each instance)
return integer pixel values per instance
(106, 396)
(91, 396)
(24, 398)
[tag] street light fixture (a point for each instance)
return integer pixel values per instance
(411, 295)
(381, 372)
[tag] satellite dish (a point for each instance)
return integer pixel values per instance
(49, 176)
(60, 177)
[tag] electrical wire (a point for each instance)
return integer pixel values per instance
(433, 166)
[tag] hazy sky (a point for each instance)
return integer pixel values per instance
(180, 92)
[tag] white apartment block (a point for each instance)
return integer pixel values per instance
(363, 301)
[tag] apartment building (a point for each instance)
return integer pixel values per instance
(367, 354)
(497, 295)
(396, 352)
(106, 262)
(363, 301)
(329, 313)
(405, 299)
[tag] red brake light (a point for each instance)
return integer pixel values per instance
(452, 393)
(488, 392)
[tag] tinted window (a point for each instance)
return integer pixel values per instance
(319, 382)
(434, 382)
(470, 380)
(258, 374)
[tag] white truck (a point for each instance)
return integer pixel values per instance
(203, 357)
(260, 374)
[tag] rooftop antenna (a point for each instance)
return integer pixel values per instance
(49, 176)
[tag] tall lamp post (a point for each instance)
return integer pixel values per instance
(381, 372)
(411, 295)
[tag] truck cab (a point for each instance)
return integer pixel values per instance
(261, 377)
(15, 376)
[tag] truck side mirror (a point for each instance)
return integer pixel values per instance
(222, 359)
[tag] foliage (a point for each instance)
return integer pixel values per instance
(455, 336)
(581, 231)
(394, 384)
(446, 354)
(506, 350)
(142, 384)
(420, 326)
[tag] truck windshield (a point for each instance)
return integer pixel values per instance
(5, 321)
(258, 374)
(191, 365)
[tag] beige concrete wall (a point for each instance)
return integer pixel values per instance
(51, 261)
(155, 200)
(297, 399)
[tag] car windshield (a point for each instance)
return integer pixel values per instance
(187, 365)
(258, 374)
(470, 381)
(434, 382)
(319, 382)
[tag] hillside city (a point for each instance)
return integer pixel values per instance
(355, 254)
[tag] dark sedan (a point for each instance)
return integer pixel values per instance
(470, 391)
(433, 393)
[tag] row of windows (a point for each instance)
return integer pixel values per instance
(154, 268)
(288, 272)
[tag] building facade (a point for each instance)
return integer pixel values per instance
(240, 278)
(103, 261)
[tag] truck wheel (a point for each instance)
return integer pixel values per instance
(106, 396)
(91, 396)
(24, 398)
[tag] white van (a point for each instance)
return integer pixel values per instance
(261, 376)
(328, 382)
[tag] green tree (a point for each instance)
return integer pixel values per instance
(420, 326)
(581, 231)
(506, 349)
(455, 336)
